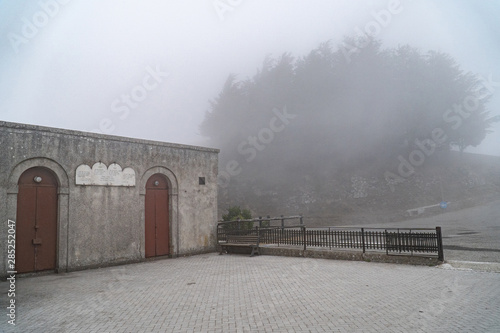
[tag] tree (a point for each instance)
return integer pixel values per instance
(363, 112)
(236, 213)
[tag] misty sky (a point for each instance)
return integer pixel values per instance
(148, 69)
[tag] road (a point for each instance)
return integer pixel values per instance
(471, 234)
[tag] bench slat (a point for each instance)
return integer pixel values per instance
(241, 241)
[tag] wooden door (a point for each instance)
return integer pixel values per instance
(36, 225)
(156, 215)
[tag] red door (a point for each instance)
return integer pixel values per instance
(156, 215)
(36, 225)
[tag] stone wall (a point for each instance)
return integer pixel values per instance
(105, 224)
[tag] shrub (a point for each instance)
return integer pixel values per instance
(234, 213)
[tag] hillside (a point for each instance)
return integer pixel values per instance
(362, 195)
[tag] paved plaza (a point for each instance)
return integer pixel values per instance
(236, 293)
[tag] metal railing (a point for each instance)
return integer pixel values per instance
(392, 241)
(251, 226)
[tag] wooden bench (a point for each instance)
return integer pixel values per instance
(236, 241)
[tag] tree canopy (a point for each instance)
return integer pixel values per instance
(234, 213)
(380, 104)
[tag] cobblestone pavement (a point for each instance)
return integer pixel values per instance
(236, 293)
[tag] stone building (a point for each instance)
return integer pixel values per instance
(78, 200)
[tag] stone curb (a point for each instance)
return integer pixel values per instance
(350, 255)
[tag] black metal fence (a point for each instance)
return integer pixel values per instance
(392, 241)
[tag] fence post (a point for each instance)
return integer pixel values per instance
(410, 243)
(304, 233)
(363, 238)
(238, 226)
(273, 234)
(399, 242)
(282, 230)
(260, 221)
(301, 220)
(330, 237)
(386, 242)
(218, 234)
(440, 244)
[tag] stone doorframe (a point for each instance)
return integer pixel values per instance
(62, 203)
(173, 207)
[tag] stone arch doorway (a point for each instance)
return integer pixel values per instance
(157, 226)
(36, 225)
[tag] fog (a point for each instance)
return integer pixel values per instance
(149, 69)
